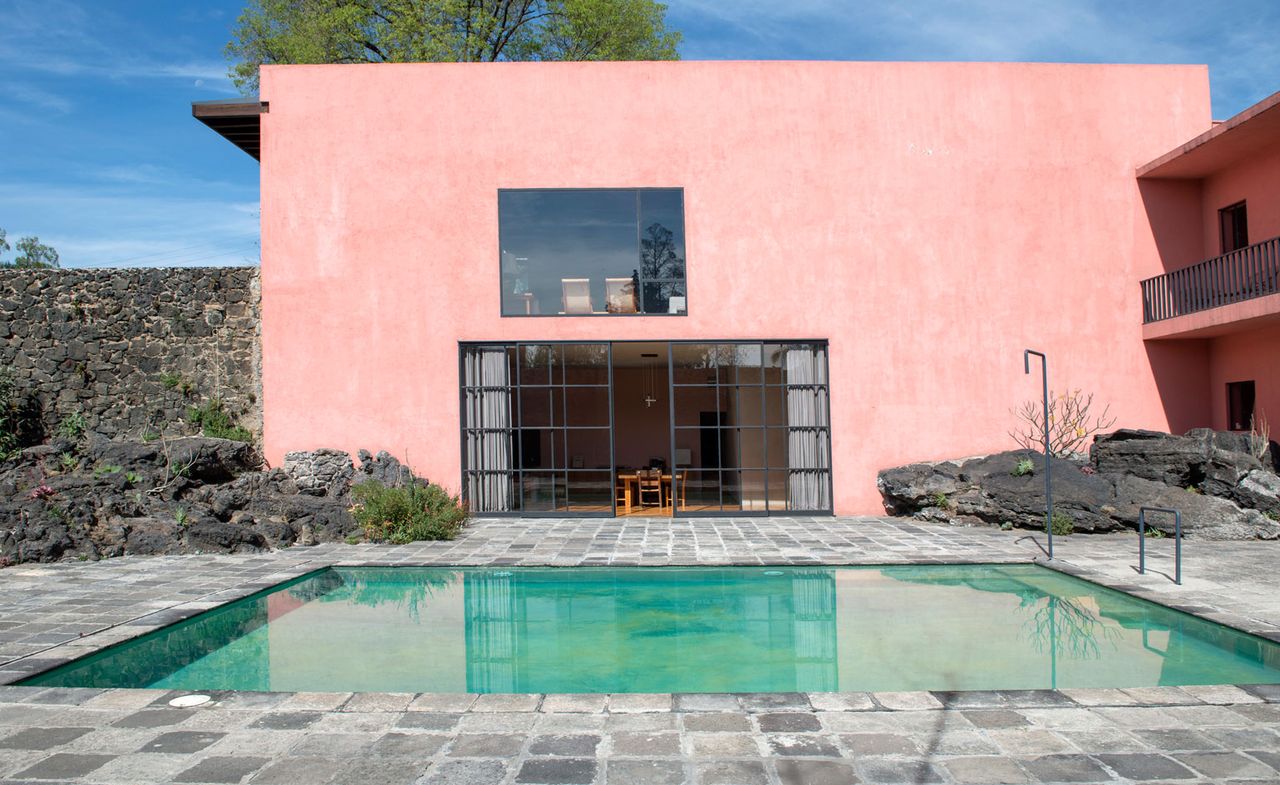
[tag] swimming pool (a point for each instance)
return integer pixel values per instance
(681, 629)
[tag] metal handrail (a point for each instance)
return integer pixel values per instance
(1177, 547)
(1243, 274)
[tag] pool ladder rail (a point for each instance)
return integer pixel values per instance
(1177, 540)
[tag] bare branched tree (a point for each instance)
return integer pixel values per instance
(1259, 435)
(1071, 423)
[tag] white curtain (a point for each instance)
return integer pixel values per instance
(487, 421)
(808, 432)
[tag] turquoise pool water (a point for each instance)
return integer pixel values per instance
(678, 629)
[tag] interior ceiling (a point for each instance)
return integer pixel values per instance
(629, 355)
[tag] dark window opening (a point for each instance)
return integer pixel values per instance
(592, 252)
(1234, 223)
(1240, 405)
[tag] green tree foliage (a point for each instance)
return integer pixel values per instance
(31, 253)
(398, 31)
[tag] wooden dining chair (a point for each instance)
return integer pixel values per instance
(676, 489)
(651, 487)
(622, 493)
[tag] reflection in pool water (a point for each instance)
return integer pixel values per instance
(682, 629)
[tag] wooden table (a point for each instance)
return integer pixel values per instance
(633, 478)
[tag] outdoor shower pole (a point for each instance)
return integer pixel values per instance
(1048, 490)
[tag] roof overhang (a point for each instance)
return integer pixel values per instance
(238, 120)
(1253, 131)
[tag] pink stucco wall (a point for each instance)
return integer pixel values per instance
(1250, 355)
(1254, 180)
(930, 220)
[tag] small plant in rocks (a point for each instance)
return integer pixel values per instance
(1061, 524)
(1025, 466)
(41, 492)
(214, 421)
(8, 414)
(73, 426)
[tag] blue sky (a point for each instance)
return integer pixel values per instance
(99, 155)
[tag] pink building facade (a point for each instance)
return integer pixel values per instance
(855, 257)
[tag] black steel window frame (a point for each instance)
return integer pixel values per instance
(642, 280)
(517, 499)
(822, 387)
(516, 429)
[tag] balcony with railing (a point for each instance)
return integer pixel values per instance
(1245, 274)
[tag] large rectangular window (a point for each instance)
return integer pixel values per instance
(592, 251)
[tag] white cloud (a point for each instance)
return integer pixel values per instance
(1238, 46)
(35, 97)
(64, 38)
(120, 228)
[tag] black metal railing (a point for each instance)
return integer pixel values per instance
(1243, 274)
(1177, 540)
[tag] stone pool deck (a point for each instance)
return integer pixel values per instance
(52, 613)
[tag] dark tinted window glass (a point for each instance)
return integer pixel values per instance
(592, 251)
(1235, 227)
(1240, 400)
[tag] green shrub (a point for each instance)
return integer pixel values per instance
(213, 421)
(1154, 533)
(9, 405)
(940, 501)
(1061, 524)
(170, 380)
(73, 426)
(1025, 466)
(419, 511)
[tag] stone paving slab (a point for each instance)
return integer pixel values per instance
(1002, 737)
(52, 613)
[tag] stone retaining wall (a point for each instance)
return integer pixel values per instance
(131, 349)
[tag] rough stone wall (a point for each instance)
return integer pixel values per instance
(131, 349)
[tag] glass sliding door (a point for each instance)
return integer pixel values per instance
(750, 428)
(556, 455)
